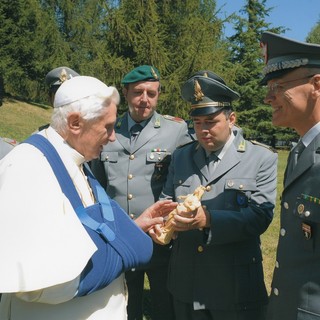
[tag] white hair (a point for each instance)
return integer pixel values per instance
(89, 107)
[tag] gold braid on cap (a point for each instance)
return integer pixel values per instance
(198, 94)
(63, 75)
(211, 104)
(154, 73)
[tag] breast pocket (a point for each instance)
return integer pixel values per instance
(159, 161)
(238, 193)
(110, 161)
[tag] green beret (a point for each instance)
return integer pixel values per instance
(142, 73)
(282, 55)
(57, 76)
(208, 93)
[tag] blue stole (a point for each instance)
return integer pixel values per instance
(121, 244)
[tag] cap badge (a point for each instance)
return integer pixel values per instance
(154, 73)
(205, 74)
(198, 94)
(63, 75)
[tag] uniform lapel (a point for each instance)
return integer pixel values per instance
(148, 132)
(306, 160)
(199, 159)
(122, 132)
(229, 160)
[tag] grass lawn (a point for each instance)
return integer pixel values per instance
(19, 119)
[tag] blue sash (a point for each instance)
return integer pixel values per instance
(121, 244)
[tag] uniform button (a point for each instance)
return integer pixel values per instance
(208, 188)
(230, 183)
(286, 205)
(277, 264)
(132, 215)
(130, 196)
(151, 156)
(283, 232)
(276, 291)
(180, 181)
(253, 259)
(130, 176)
(307, 213)
(241, 186)
(200, 249)
(107, 157)
(131, 157)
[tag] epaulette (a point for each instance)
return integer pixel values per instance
(257, 143)
(119, 121)
(10, 141)
(172, 118)
(186, 144)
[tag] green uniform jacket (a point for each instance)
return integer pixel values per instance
(221, 268)
(295, 292)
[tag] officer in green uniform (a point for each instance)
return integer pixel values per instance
(292, 76)
(133, 170)
(215, 270)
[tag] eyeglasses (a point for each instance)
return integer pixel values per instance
(274, 87)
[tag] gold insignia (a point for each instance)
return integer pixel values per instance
(242, 146)
(154, 73)
(205, 74)
(157, 123)
(63, 75)
(300, 209)
(198, 94)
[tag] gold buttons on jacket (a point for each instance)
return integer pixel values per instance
(286, 205)
(200, 249)
(283, 232)
(276, 291)
(131, 157)
(130, 196)
(130, 176)
(132, 215)
(277, 264)
(241, 186)
(208, 188)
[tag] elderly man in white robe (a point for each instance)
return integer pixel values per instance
(64, 244)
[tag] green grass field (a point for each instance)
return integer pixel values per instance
(19, 119)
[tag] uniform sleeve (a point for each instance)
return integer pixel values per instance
(168, 188)
(252, 220)
(183, 136)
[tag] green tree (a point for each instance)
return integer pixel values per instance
(253, 116)
(314, 34)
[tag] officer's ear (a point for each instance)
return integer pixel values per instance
(232, 119)
(316, 84)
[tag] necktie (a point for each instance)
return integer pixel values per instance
(212, 162)
(294, 156)
(135, 131)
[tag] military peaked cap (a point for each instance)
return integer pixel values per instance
(282, 55)
(58, 75)
(142, 73)
(208, 93)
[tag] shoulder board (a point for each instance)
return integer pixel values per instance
(263, 145)
(172, 118)
(10, 141)
(119, 121)
(186, 144)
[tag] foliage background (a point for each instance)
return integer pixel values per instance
(107, 38)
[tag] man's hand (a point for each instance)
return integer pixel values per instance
(153, 215)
